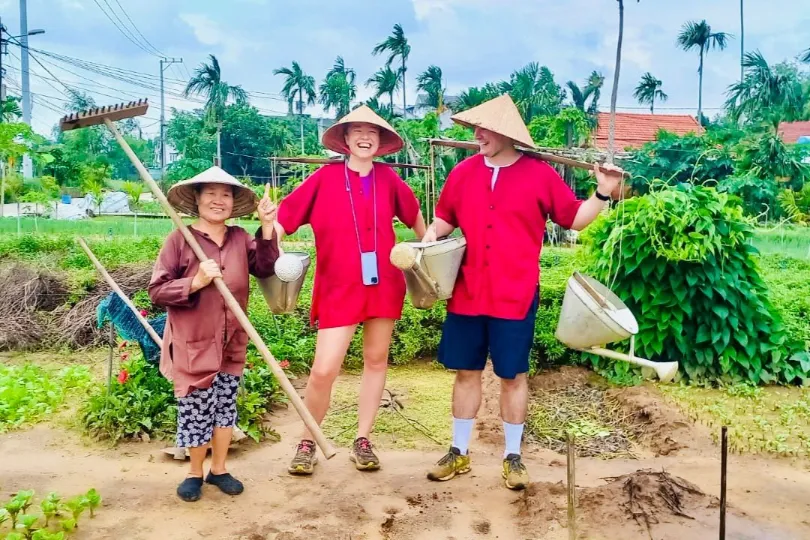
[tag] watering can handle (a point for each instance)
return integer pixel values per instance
(590, 290)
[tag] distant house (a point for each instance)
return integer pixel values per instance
(634, 130)
(795, 132)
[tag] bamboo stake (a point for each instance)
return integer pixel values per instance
(572, 490)
(723, 472)
(230, 300)
(114, 286)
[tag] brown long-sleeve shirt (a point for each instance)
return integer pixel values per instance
(202, 336)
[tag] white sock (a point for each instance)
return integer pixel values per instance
(513, 434)
(462, 431)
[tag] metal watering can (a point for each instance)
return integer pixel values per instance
(430, 268)
(592, 316)
(281, 290)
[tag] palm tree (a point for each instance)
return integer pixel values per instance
(430, 82)
(134, 190)
(299, 88)
(383, 110)
(765, 93)
(396, 45)
(338, 89)
(10, 109)
(534, 91)
(207, 81)
(615, 92)
(648, 90)
(474, 96)
(385, 81)
(592, 90)
(699, 35)
(806, 57)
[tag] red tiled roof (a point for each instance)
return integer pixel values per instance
(791, 131)
(633, 130)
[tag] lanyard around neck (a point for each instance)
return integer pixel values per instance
(374, 203)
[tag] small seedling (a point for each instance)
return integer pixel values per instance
(47, 535)
(26, 497)
(14, 507)
(76, 505)
(29, 523)
(93, 501)
(68, 526)
(4, 516)
(15, 536)
(49, 510)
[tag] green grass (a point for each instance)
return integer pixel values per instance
(425, 391)
(786, 241)
(771, 419)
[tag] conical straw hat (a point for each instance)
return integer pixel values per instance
(499, 115)
(334, 138)
(181, 195)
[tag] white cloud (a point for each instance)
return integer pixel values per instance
(210, 32)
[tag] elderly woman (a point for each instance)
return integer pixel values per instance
(351, 207)
(204, 346)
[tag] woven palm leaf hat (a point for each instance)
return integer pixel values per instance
(499, 115)
(334, 138)
(182, 195)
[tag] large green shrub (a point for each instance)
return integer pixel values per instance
(682, 260)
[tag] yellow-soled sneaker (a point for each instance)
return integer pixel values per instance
(305, 459)
(452, 464)
(363, 455)
(514, 473)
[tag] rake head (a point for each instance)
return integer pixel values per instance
(96, 116)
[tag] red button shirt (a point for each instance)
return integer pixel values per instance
(504, 228)
(339, 297)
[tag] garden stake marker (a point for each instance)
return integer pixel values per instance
(723, 470)
(572, 489)
(106, 115)
(114, 286)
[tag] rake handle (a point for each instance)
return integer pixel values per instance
(230, 300)
(114, 286)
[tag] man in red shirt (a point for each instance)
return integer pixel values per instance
(500, 199)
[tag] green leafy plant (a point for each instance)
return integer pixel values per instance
(681, 259)
(68, 525)
(28, 392)
(259, 392)
(76, 506)
(143, 404)
(47, 535)
(29, 523)
(93, 499)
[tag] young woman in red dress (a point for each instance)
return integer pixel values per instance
(351, 207)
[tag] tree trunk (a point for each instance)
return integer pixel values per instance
(19, 216)
(742, 40)
(219, 144)
(700, 89)
(404, 96)
(615, 94)
(136, 224)
(392, 102)
(652, 105)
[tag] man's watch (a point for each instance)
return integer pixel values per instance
(601, 197)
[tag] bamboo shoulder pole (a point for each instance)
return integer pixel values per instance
(230, 300)
(114, 286)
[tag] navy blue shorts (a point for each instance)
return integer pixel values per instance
(467, 341)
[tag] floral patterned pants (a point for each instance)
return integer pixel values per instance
(204, 408)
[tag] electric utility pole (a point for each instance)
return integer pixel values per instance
(164, 63)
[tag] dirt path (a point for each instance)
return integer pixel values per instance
(769, 498)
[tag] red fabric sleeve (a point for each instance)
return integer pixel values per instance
(446, 206)
(295, 209)
(564, 204)
(167, 286)
(262, 254)
(406, 205)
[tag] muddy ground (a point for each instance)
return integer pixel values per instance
(667, 489)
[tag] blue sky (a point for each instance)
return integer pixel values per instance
(473, 41)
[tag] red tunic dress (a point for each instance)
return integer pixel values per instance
(339, 297)
(504, 229)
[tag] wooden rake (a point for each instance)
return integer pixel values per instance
(106, 116)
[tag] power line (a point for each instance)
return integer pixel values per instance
(125, 32)
(157, 51)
